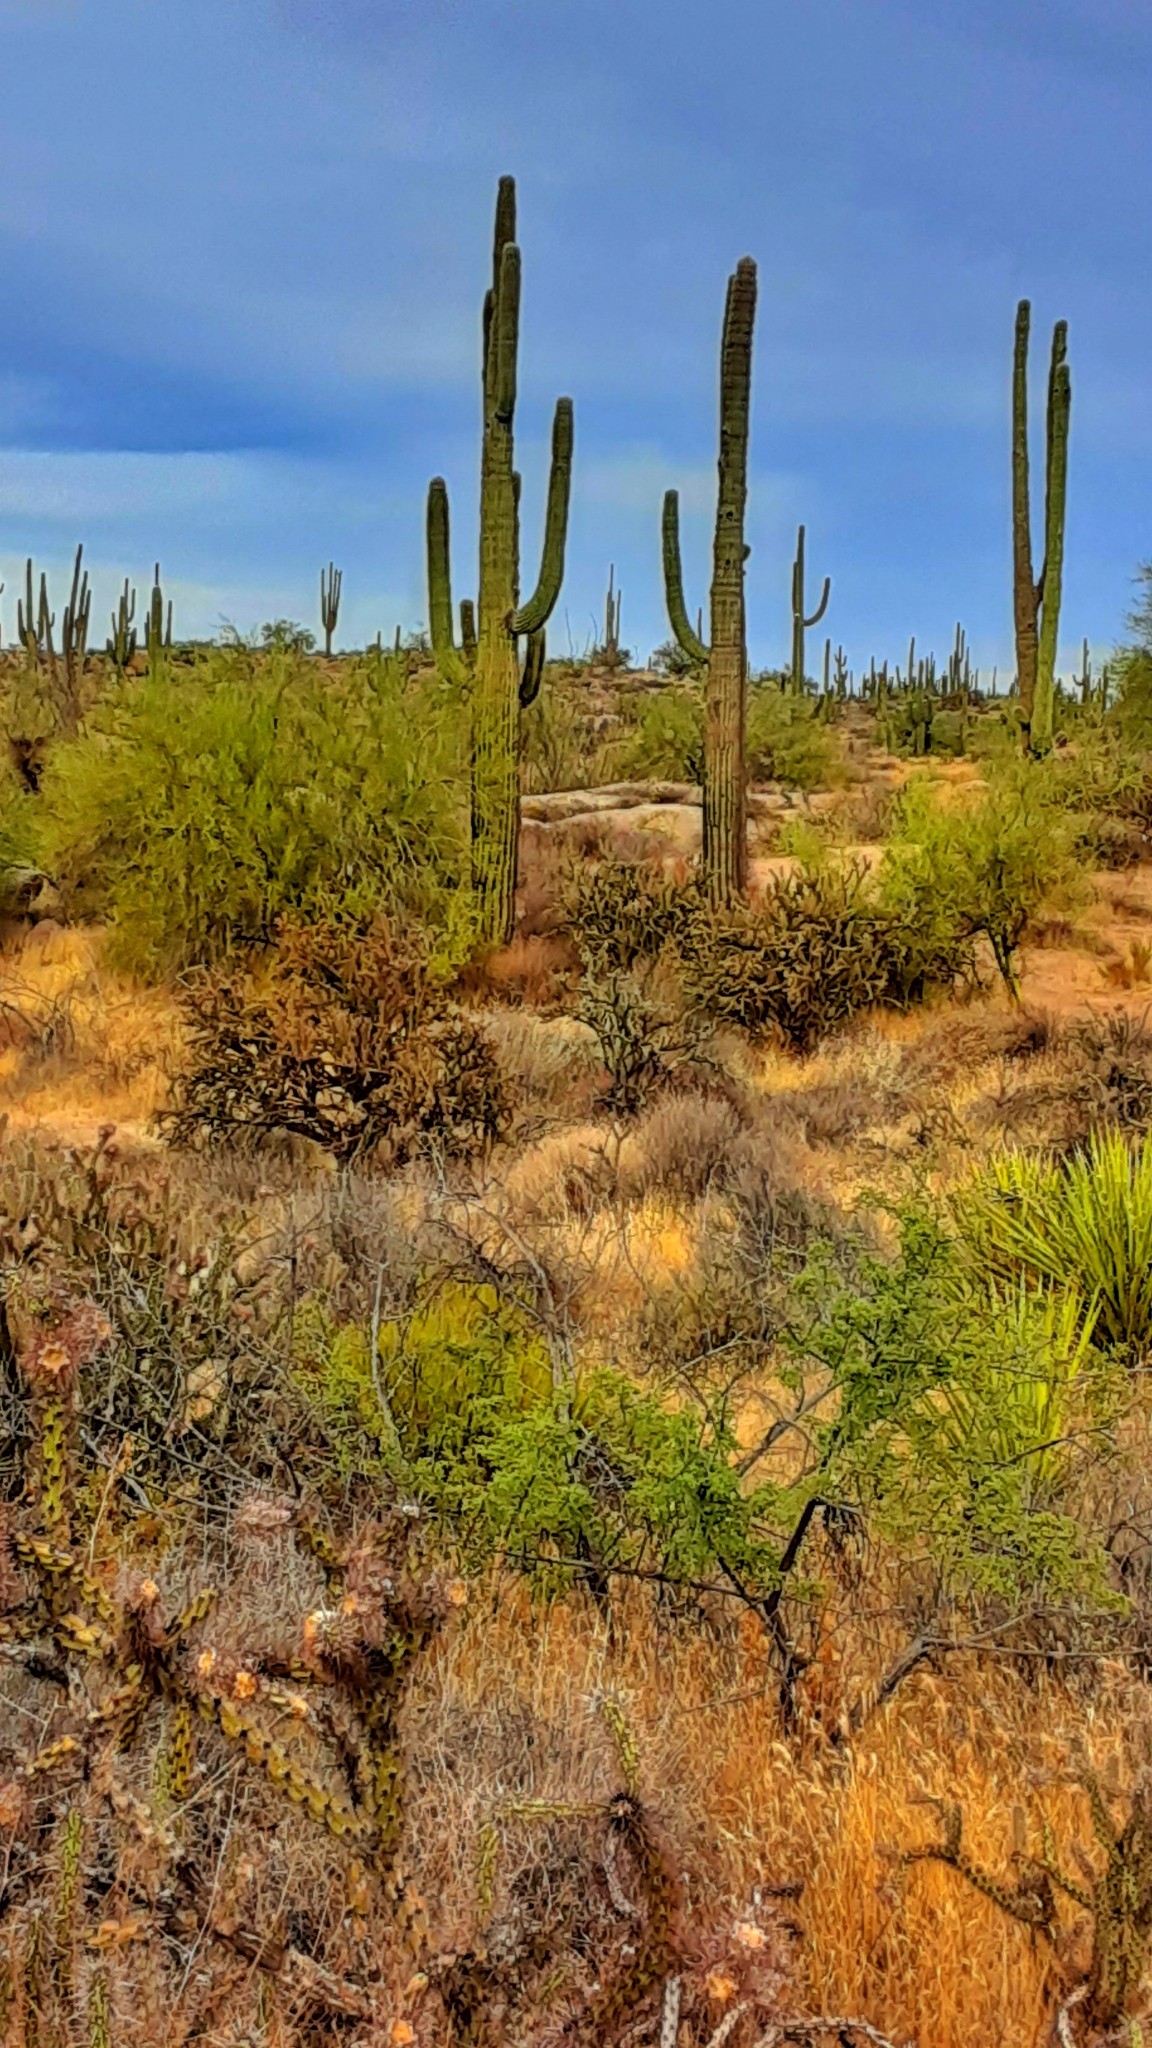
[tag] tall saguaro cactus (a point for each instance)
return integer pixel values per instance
(800, 624)
(488, 658)
(725, 830)
(331, 584)
(1036, 600)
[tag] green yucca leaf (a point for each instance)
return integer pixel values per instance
(1085, 1224)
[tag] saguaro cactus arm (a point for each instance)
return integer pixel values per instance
(691, 643)
(532, 674)
(538, 610)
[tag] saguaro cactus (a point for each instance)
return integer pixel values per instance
(122, 639)
(612, 605)
(157, 630)
(725, 830)
(1036, 600)
(489, 655)
(800, 624)
(331, 583)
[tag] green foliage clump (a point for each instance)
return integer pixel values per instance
(563, 1479)
(1085, 1223)
(786, 741)
(348, 1039)
(984, 868)
(960, 1411)
(668, 742)
(194, 816)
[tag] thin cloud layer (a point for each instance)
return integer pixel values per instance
(244, 251)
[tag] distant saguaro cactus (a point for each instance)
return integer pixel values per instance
(157, 629)
(800, 624)
(74, 635)
(1036, 600)
(725, 830)
(612, 605)
(489, 656)
(331, 584)
(122, 640)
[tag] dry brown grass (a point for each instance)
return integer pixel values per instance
(81, 1046)
(617, 1220)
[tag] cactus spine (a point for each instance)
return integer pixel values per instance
(499, 687)
(725, 832)
(800, 624)
(331, 584)
(1036, 601)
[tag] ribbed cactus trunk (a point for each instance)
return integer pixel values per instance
(725, 852)
(725, 823)
(489, 659)
(1055, 500)
(1036, 601)
(496, 678)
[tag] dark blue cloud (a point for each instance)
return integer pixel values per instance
(259, 232)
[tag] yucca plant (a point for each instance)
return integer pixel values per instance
(1085, 1224)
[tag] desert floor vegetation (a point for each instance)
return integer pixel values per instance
(593, 1489)
(575, 1312)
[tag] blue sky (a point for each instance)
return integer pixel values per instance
(244, 244)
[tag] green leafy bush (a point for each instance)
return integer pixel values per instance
(347, 1039)
(1085, 1223)
(981, 868)
(668, 741)
(194, 814)
(953, 1417)
(565, 1481)
(786, 741)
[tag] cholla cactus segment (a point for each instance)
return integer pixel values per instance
(99, 2014)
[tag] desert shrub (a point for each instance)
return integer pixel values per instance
(554, 741)
(194, 816)
(981, 869)
(668, 741)
(957, 1413)
(686, 1144)
(786, 741)
(348, 1039)
(669, 659)
(644, 1043)
(620, 912)
(813, 952)
(1112, 1081)
(1084, 1223)
(566, 1482)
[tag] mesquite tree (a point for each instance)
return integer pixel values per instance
(725, 831)
(1037, 599)
(488, 659)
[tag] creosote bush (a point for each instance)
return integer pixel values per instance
(983, 867)
(194, 817)
(346, 1038)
